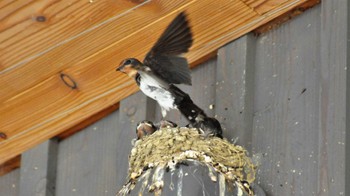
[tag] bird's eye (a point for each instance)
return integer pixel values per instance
(127, 62)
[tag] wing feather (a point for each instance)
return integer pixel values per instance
(164, 58)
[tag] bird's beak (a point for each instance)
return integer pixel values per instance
(121, 66)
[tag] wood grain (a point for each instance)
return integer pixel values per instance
(37, 105)
(263, 6)
(96, 50)
(29, 28)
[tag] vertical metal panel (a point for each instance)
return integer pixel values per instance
(38, 170)
(347, 119)
(234, 89)
(87, 161)
(300, 86)
(287, 106)
(9, 183)
(333, 67)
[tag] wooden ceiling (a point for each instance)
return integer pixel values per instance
(58, 58)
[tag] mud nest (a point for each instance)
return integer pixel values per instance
(166, 148)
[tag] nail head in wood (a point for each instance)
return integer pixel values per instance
(40, 18)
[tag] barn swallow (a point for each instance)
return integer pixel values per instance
(145, 128)
(163, 66)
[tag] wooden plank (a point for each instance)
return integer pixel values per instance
(333, 100)
(87, 46)
(32, 107)
(29, 28)
(263, 6)
(87, 161)
(132, 110)
(9, 183)
(60, 96)
(235, 90)
(38, 170)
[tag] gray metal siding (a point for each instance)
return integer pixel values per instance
(9, 183)
(87, 161)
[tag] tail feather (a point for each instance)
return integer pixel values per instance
(185, 105)
(194, 114)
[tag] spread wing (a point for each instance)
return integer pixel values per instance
(164, 58)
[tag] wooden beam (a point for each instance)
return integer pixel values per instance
(10, 165)
(37, 104)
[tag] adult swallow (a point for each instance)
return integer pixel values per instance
(145, 128)
(163, 66)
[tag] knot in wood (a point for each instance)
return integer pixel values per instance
(3, 135)
(68, 81)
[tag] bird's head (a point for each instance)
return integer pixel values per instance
(144, 128)
(130, 66)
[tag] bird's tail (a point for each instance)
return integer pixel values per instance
(194, 114)
(185, 105)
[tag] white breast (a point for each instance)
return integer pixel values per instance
(157, 89)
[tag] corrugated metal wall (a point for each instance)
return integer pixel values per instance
(282, 94)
